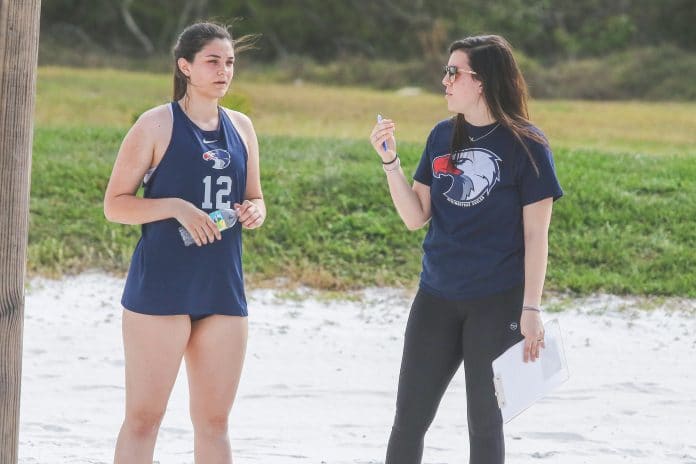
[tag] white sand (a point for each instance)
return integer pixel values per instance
(320, 379)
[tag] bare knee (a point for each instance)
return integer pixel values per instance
(211, 425)
(143, 423)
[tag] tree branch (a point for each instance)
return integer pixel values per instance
(133, 27)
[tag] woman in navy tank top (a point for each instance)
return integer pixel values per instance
(192, 157)
(486, 184)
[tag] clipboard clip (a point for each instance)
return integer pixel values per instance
(499, 392)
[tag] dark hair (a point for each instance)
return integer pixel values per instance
(193, 39)
(504, 88)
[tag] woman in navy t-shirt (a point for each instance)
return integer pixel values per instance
(193, 157)
(486, 182)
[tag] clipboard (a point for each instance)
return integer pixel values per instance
(518, 385)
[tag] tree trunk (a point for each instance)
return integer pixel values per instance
(19, 46)
(134, 29)
(276, 43)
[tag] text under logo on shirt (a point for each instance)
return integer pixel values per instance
(474, 173)
(220, 158)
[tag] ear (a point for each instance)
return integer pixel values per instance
(184, 66)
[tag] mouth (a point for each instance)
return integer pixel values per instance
(220, 82)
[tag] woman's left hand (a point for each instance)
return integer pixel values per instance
(249, 215)
(533, 331)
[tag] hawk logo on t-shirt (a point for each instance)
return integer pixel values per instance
(474, 173)
(220, 158)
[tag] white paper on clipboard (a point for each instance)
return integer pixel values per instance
(518, 384)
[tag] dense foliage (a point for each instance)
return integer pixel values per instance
(402, 29)
(573, 49)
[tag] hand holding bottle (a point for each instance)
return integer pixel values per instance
(209, 227)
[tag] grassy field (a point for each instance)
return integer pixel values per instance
(107, 98)
(625, 224)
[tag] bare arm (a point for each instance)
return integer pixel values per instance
(252, 213)
(411, 202)
(142, 148)
(536, 218)
(136, 155)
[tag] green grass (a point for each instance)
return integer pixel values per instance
(625, 224)
(110, 98)
(67, 229)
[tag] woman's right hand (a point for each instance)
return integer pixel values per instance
(384, 132)
(197, 223)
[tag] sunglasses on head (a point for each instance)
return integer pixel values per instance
(452, 71)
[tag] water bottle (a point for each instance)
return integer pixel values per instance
(223, 219)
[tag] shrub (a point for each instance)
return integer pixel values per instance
(652, 73)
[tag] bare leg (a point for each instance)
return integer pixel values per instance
(214, 359)
(154, 346)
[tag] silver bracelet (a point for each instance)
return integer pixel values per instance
(531, 308)
(394, 165)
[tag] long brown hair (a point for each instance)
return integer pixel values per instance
(504, 88)
(193, 39)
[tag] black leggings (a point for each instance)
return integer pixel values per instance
(440, 334)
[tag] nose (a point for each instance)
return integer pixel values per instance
(445, 80)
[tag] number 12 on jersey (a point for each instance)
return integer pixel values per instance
(222, 195)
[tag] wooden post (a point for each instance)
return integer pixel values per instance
(19, 47)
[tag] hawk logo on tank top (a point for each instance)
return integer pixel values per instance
(474, 173)
(220, 158)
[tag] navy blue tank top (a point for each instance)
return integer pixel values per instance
(208, 169)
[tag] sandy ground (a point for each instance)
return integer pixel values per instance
(320, 379)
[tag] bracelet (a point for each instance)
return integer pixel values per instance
(397, 165)
(531, 308)
(396, 157)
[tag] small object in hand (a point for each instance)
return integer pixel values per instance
(223, 219)
(384, 144)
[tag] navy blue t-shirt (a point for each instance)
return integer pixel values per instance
(475, 243)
